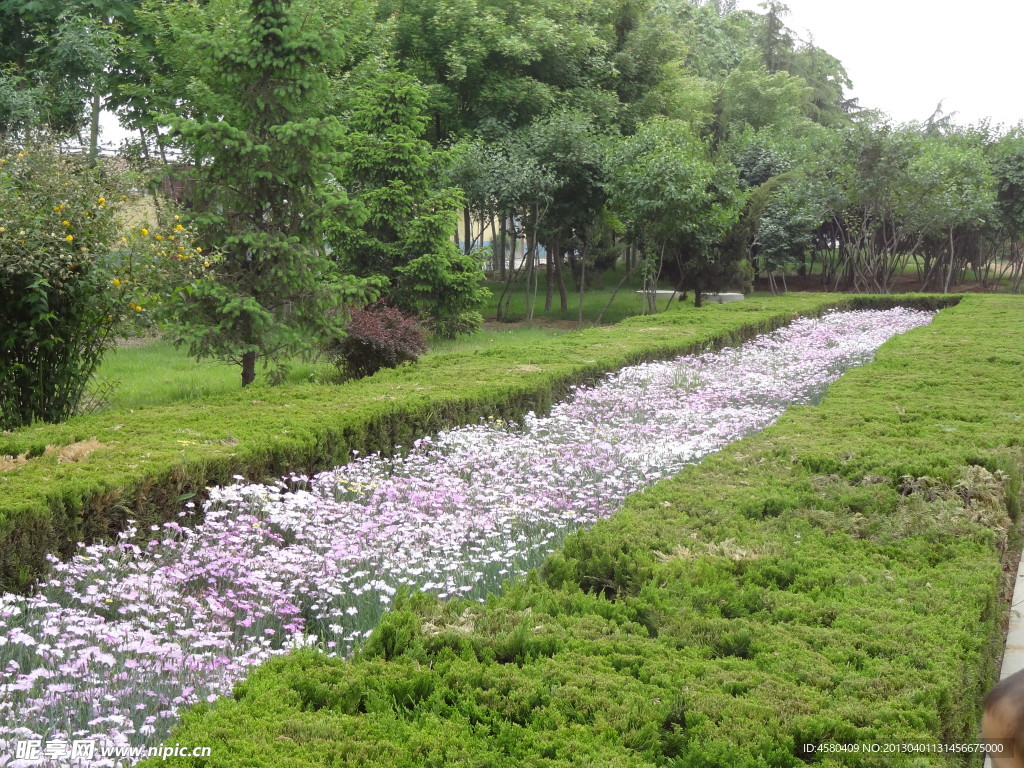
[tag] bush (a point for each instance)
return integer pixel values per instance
(377, 337)
(67, 278)
(56, 312)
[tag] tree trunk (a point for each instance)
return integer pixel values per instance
(160, 146)
(94, 128)
(949, 271)
(531, 274)
(615, 293)
(468, 223)
(248, 368)
(549, 281)
(563, 294)
(503, 228)
(583, 287)
(495, 258)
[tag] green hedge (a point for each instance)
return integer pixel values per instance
(833, 578)
(153, 456)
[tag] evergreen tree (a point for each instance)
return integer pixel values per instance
(391, 170)
(265, 182)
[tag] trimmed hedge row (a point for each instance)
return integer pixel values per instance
(151, 457)
(835, 578)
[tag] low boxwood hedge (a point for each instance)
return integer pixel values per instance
(152, 457)
(833, 580)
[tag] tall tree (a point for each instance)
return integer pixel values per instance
(267, 161)
(680, 204)
(572, 149)
(392, 171)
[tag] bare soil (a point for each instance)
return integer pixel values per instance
(490, 324)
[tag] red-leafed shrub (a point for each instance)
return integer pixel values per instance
(377, 337)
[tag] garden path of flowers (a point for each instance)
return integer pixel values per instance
(118, 640)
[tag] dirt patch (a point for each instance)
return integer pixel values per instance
(490, 324)
(130, 342)
(63, 453)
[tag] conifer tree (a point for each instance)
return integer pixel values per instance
(266, 158)
(392, 171)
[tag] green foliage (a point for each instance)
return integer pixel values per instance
(267, 159)
(1007, 158)
(392, 172)
(491, 65)
(756, 97)
(833, 579)
(67, 280)
(571, 148)
(680, 202)
(53, 57)
(893, 192)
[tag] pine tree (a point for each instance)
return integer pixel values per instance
(266, 162)
(392, 171)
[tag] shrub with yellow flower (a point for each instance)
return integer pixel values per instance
(65, 254)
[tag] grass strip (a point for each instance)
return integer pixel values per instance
(835, 579)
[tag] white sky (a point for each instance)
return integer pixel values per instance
(905, 56)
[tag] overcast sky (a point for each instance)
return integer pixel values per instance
(905, 56)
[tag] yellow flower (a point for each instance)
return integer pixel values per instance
(159, 237)
(206, 264)
(70, 238)
(124, 239)
(116, 281)
(138, 308)
(178, 227)
(123, 198)
(103, 200)
(132, 305)
(177, 218)
(199, 250)
(66, 223)
(144, 232)
(2, 230)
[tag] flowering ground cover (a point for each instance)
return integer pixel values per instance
(120, 638)
(833, 579)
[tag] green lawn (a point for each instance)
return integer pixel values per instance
(156, 372)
